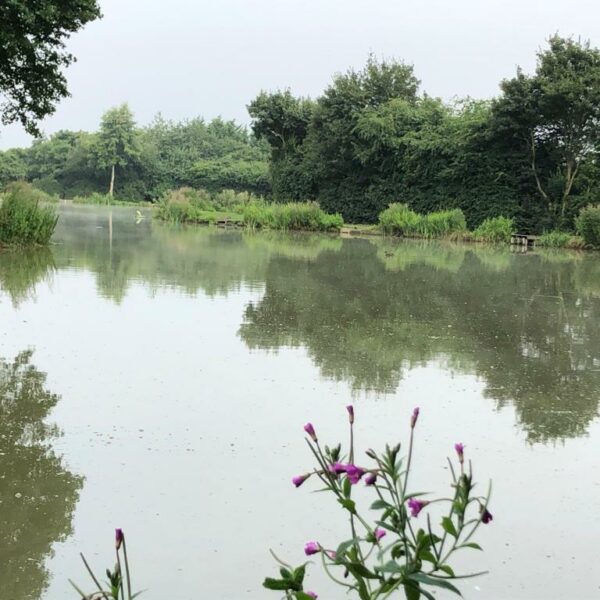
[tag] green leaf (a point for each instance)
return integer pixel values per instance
(471, 545)
(448, 526)
(390, 567)
(412, 592)
(344, 546)
(380, 504)
(276, 584)
(302, 596)
(285, 574)
(298, 575)
(346, 487)
(428, 580)
(359, 570)
(447, 569)
(348, 504)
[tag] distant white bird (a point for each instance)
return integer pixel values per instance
(138, 216)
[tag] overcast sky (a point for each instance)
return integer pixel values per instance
(186, 58)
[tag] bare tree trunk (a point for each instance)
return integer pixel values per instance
(111, 189)
(531, 143)
(572, 168)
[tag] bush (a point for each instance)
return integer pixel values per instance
(22, 220)
(588, 225)
(93, 198)
(495, 230)
(398, 219)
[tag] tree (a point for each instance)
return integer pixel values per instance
(32, 55)
(556, 113)
(117, 141)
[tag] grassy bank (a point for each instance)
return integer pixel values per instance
(24, 219)
(187, 205)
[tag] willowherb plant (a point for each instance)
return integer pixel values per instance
(399, 551)
(119, 585)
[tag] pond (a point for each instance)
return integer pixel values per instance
(157, 379)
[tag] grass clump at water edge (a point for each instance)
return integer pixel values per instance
(24, 221)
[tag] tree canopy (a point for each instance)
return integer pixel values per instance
(33, 55)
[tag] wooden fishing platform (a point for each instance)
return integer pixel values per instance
(523, 239)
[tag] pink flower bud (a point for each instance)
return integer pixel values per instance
(311, 431)
(311, 548)
(379, 533)
(354, 473)
(350, 410)
(300, 479)
(370, 479)
(416, 506)
(312, 595)
(414, 417)
(119, 537)
(460, 450)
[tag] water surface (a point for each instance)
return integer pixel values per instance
(157, 379)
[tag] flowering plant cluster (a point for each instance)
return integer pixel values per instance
(117, 584)
(398, 552)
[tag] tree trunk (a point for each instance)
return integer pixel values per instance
(111, 189)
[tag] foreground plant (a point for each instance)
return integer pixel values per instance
(398, 551)
(119, 586)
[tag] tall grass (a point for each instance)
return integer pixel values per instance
(495, 230)
(559, 239)
(292, 216)
(398, 219)
(23, 220)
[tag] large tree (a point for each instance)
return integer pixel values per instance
(556, 114)
(117, 144)
(32, 55)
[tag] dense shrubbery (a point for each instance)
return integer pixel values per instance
(398, 219)
(588, 225)
(23, 221)
(372, 136)
(307, 216)
(495, 230)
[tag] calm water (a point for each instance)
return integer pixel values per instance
(158, 379)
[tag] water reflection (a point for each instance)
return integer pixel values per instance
(22, 270)
(37, 493)
(368, 310)
(528, 325)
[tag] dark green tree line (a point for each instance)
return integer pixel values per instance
(373, 138)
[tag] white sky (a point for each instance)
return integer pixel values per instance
(187, 58)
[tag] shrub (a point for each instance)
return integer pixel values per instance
(398, 219)
(495, 230)
(588, 225)
(22, 220)
(93, 198)
(409, 545)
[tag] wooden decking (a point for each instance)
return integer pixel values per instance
(523, 239)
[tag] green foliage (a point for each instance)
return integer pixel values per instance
(495, 230)
(588, 225)
(32, 55)
(559, 239)
(292, 216)
(398, 219)
(94, 198)
(22, 220)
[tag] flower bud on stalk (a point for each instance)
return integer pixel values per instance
(311, 431)
(460, 450)
(350, 410)
(119, 537)
(414, 417)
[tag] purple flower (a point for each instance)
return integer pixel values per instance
(414, 417)
(119, 537)
(371, 478)
(460, 450)
(300, 479)
(486, 516)
(350, 410)
(379, 533)
(354, 473)
(312, 595)
(416, 506)
(311, 431)
(311, 548)
(337, 468)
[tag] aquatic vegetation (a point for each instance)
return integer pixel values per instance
(119, 580)
(23, 221)
(559, 239)
(495, 230)
(292, 216)
(413, 558)
(588, 225)
(398, 219)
